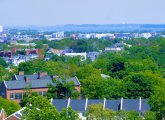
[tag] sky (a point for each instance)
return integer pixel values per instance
(60, 12)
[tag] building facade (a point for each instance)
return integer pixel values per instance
(14, 89)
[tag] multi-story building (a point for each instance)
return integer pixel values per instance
(13, 89)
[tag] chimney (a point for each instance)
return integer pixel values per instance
(68, 103)
(41, 74)
(26, 79)
(21, 73)
(104, 103)
(86, 104)
(140, 104)
(121, 104)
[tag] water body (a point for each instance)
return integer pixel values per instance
(99, 28)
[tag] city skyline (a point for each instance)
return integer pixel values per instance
(60, 12)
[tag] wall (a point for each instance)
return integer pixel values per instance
(3, 90)
(21, 91)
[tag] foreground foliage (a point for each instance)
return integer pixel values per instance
(96, 112)
(9, 106)
(40, 108)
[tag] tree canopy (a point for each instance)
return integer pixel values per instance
(9, 106)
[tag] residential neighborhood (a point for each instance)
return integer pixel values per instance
(82, 60)
(81, 72)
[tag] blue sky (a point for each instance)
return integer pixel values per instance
(57, 12)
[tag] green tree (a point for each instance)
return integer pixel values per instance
(157, 102)
(86, 71)
(33, 66)
(5, 47)
(5, 74)
(149, 115)
(39, 45)
(138, 85)
(96, 112)
(27, 94)
(9, 106)
(128, 115)
(68, 114)
(62, 89)
(2, 62)
(93, 87)
(40, 108)
(22, 52)
(113, 88)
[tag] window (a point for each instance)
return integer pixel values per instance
(42, 93)
(16, 96)
(11, 96)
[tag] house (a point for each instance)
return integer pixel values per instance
(31, 51)
(54, 51)
(6, 54)
(55, 36)
(15, 116)
(81, 106)
(117, 47)
(13, 89)
(16, 60)
(2, 114)
(93, 55)
(34, 52)
(114, 49)
(83, 56)
(124, 35)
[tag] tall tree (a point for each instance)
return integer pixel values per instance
(62, 89)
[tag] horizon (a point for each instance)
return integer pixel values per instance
(77, 25)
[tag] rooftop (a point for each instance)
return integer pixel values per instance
(82, 105)
(40, 80)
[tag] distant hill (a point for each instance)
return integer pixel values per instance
(99, 28)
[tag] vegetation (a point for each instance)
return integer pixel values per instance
(63, 89)
(40, 108)
(157, 102)
(96, 112)
(5, 74)
(9, 106)
(2, 62)
(138, 71)
(133, 72)
(82, 45)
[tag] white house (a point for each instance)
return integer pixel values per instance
(83, 56)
